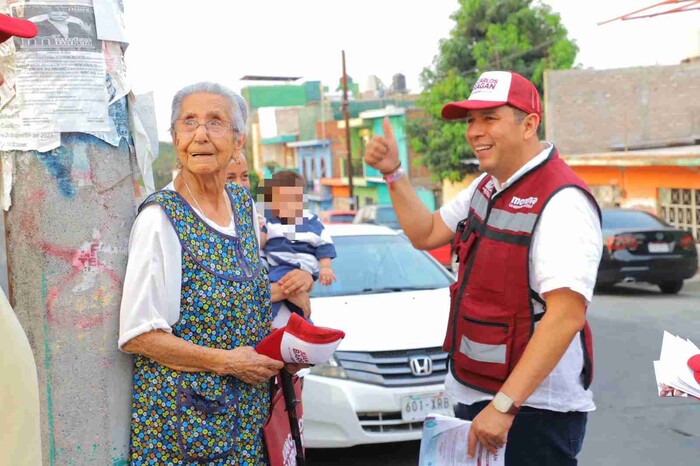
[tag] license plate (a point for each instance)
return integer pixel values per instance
(414, 408)
(659, 247)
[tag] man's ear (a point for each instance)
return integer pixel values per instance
(530, 125)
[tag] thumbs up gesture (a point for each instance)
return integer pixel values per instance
(382, 153)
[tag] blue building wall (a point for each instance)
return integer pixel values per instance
(314, 162)
(425, 195)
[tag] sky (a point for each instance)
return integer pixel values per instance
(223, 40)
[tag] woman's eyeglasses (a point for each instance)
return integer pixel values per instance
(215, 128)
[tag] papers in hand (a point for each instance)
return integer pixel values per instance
(444, 443)
(673, 376)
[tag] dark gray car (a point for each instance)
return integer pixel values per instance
(641, 247)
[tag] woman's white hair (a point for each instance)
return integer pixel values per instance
(238, 106)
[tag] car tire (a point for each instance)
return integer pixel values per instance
(671, 287)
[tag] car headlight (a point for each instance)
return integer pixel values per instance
(331, 368)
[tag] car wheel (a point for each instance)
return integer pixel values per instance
(671, 287)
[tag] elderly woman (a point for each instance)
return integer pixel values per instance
(196, 300)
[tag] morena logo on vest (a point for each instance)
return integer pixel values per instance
(518, 203)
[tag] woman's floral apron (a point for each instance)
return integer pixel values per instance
(184, 418)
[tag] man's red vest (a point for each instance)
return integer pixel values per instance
(492, 313)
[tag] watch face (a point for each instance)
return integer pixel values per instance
(502, 403)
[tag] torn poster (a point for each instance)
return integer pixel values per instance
(60, 78)
(117, 84)
(8, 170)
(144, 132)
(7, 64)
(119, 124)
(13, 136)
(7, 67)
(109, 19)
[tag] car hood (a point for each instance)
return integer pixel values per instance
(386, 321)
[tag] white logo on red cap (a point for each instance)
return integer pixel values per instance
(492, 86)
(485, 83)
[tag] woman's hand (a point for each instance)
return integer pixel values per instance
(246, 364)
(295, 282)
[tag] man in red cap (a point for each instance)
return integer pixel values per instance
(20, 440)
(528, 240)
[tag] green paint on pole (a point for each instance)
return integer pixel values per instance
(47, 368)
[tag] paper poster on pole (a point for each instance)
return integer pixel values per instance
(109, 19)
(8, 170)
(119, 124)
(13, 136)
(117, 84)
(60, 76)
(145, 134)
(7, 65)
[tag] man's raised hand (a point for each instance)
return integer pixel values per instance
(382, 153)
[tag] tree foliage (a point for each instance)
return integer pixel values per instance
(488, 35)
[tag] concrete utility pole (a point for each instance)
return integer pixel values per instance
(67, 250)
(346, 114)
(67, 238)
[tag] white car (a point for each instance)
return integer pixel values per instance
(392, 301)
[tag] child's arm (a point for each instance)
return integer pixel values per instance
(303, 301)
(326, 276)
(263, 239)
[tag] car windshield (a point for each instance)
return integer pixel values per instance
(380, 264)
(630, 219)
(342, 218)
(387, 216)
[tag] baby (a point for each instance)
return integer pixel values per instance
(293, 239)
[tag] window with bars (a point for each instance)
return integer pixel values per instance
(681, 208)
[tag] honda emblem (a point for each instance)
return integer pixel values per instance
(421, 366)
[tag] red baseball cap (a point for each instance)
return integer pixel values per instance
(301, 342)
(496, 88)
(10, 26)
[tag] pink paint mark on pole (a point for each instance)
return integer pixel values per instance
(80, 260)
(84, 259)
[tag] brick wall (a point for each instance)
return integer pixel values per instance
(338, 146)
(600, 110)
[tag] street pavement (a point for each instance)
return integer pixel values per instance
(632, 425)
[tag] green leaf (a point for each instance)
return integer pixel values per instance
(487, 35)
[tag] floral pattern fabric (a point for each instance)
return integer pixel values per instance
(182, 418)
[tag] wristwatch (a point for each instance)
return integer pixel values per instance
(504, 404)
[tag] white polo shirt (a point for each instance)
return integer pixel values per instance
(565, 252)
